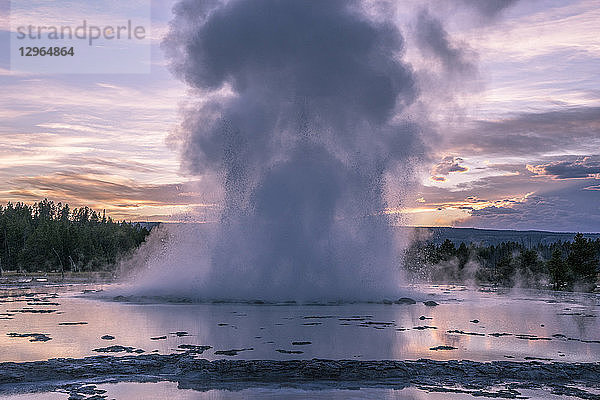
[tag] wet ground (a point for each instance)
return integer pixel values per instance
(50, 321)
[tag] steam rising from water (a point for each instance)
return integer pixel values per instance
(303, 127)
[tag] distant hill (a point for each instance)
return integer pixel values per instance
(487, 237)
(493, 236)
(148, 225)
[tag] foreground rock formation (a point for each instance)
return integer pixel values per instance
(201, 374)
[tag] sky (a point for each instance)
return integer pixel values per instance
(510, 95)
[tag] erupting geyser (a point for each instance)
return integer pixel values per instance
(302, 122)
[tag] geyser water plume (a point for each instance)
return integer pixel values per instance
(304, 127)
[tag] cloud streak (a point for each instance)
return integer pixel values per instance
(526, 134)
(119, 195)
(582, 167)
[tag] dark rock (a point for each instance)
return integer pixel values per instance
(90, 389)
(466, 333)
(107, 337)
(443, 348)
(232, 352)
(118, 349)
(531, 337)
(35, 337)
(32, 311)
(378, 323)
(405, 300)
(289, 351)
(193, 348)
(301, 343)
(430, 303)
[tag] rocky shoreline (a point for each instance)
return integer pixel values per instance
(200, 374)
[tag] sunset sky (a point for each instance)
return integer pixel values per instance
(514, 137)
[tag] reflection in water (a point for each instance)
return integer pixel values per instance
(349, 331)
(169, 390)
(164, 390)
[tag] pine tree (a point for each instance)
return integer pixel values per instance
(48, 236)
(583, 262)
(560, 277)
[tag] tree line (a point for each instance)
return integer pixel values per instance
(48, 236)
(563, 265)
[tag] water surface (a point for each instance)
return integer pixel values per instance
(481, 326)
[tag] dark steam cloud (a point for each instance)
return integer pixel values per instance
(434, 41)
(489, 8)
